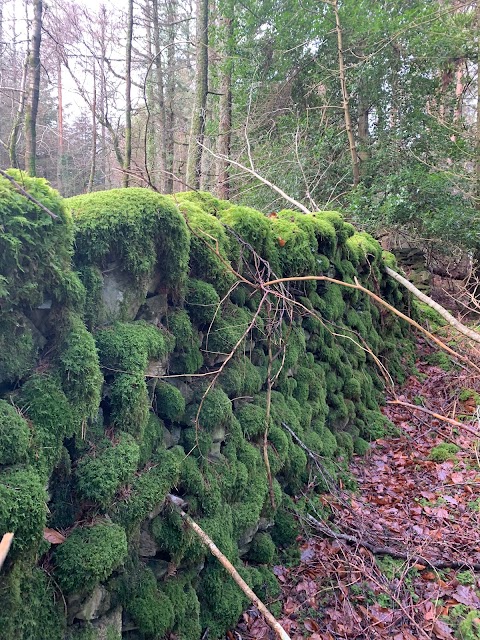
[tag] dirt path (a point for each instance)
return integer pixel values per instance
(419, 499)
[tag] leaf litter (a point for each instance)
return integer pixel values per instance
(399, 558)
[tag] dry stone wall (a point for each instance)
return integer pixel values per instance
(113, 320)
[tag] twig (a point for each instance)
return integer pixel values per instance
(208, 542)
(27, 195)
(5, 545)
(388, 551)
(470, 333)
(455, 423)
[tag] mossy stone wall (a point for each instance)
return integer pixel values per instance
(113, 320)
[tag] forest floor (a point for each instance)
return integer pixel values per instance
(400, 557)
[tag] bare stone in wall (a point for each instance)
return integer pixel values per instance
(109, 626)
(147, 546)
(171, 437)
(95, 605)
(121, 297)
(156, 368)
(153, 309)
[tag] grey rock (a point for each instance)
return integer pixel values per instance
(184, 387)
(157, 368)
(95, 605)
(153, 309)
(159, 568)
(109, 626)
(121, 297)
(171, 437)
(219, 433)
(246, 538)
(265, 523)
(147, 547)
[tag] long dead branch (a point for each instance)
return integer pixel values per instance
(389, 551)
(225, 562)
(470, 333)
(455, 423)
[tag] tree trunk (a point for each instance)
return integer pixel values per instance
(170, 97)
(93, 159)
(17, 123)
(103, 98)
(345, 96)
(197, 127)
(59, 127)
(127, 159)
(150, 149)
(225, 115)
(31, 110)
(477, 141)
(160, 96)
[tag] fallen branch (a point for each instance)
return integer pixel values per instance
(380, 301)
(388, 551)
(5, 545)
(208, 542)
(27, 195)
(451, 421)
(470, 333)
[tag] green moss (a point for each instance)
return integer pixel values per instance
(216, 410)
(241, 378)
(79, 370)
(128, 346)
(228, 330)
(92, 280)
(186, 608)
(151, 440)
(286, 529)
(428, 315)
(252, 419)
(89, 555)
(44, 403)
(35, 250)
(170, 404)
(345, 443)
(352, 388)
(29, 607)
(389, 260)
(205, 201)
(130, 403)
(361, 247)
(360, 446)
(255, 229)
(441, 360)
(14, 435)
(151, 609)
(469, 628)
(295, 250)
(444, 451)
(20, 345)
(208, 235)
(99, 477)
(202, 302)
(377, 425)
(22, 507)
(262, 550)
(140, 229)
(187, 357)
(147, 491)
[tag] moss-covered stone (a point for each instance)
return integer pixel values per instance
(89, 555)
(262, 549)
(14, 435)
(170, 404)
(202, 302)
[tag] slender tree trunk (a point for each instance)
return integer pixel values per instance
(60, 149)
(128, 97)
(160, 95)
(150, 148)
(197, 127)
(170, 97)
(93, 159)
(31, 110)
(103, 98)
(345, 96)
(17, 123)
(225, 115)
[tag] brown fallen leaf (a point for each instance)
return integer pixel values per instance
(53, 536)
(442, 630)
(311, 625)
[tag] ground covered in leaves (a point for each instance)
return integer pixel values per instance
(399, 558)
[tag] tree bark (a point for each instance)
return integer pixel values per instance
(170, 97)
(31, 110)
(59, 126)
(225, 115)
(127, 158)
(345, 96)
(93, 159)
(159, 112)
(197, 127)
(17, 123)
